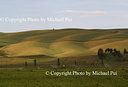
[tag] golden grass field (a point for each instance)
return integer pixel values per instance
(63, 43)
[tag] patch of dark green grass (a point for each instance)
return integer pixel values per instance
(37, 78)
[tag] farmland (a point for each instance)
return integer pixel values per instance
(76, 50)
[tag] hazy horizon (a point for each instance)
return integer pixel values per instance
(22, 15)
(68, 28)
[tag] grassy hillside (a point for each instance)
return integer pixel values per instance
(63, 42)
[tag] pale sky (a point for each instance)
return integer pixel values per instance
(88, 14)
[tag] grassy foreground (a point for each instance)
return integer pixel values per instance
(38, 78)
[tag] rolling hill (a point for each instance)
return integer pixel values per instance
(63, 42)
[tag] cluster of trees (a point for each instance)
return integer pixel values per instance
(114, 52)
(109, 51)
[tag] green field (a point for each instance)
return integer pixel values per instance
(38, 78)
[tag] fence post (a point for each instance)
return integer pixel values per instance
(35, 62)
(26, 64)
(58, 62)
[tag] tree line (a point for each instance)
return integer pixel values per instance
(110, 51)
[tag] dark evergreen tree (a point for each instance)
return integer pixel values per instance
(111, 50)
(119, 54)
(107, 50)
(115, 50)
(100, 52)
(101, 55)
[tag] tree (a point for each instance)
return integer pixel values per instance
(115, 50)
(100, 52)
(58, 62)
(101, 55)
(111, 50)
(119, 54)
(107, 50)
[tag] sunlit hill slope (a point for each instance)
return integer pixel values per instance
(63, 42)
